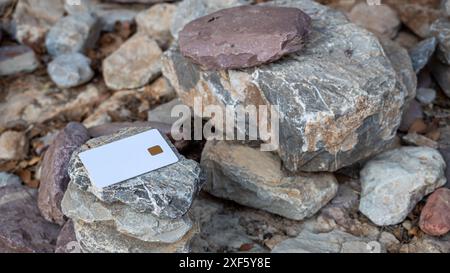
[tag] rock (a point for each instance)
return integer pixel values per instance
(411, 114)
(333, 242)
(162, 113)
(239, 37)
(134, 64)
(254, 178)
(22, 229)
(115, 127)
(67, 241)
(395, 181)
(156, 21)
(422, 52)
(7, 179)
(381, 20)
(73, 33)
(446, 6)
(445, 152)
(4, 5)
(441, 74)
(435, 216)
(420, 140)
(189, 10)
(427, 244)
(13, 145)
(70, 70)
(321, 129)
(166, 193)
(441, 29)
(101, 238)
(54, 175)
(82, 206)
(406, 39)
(33, 18)
(15, 59)
(426, 95)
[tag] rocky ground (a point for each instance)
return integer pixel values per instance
(364, 134)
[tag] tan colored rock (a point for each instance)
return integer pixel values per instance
(155, 22)
(13, 145)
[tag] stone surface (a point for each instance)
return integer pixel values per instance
(411, 114)
(426, 95)
(162, 113)
(395, 181)
(7, 179)
(407, 39)
(22, 229)
(134, 64)
(73, 33)
(254, 178)
(427, 244)
(83, 206)
(156, 22)
(15, 59)
(189, 10)
(435, 216)
(332, 115)
(441, 29)
(166, 193)
(13, 145)
(54, 175)
(419, 140)
(67, 241)
(446, 6)
(381, 20)
(245, 36)
(70, 70)
(441, 74)
(422, 52)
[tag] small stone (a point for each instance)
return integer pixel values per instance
(134, 64)
(166, 193)
(15, 59)
(7, 179)
(54, 175)
(254, 178)
(73, 33)
(420, 140)
(156, 22)
(441, 29)
(441, 74)
(162, 113)
(13, 145)
(435, 216)
(426, 95)
(446, 6)
(70, 70)
(407, 39)
(445, 152)
(412, 113)
(395, 181)
(245, 36)
(381, 20)
(67, 241)
(422, 52)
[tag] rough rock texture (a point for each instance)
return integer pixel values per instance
(15, 59)
(22, 229)
(426, 95)
(422, 52)
(156, 22)
(393, 182)
(7, 179)
(441, 74)
(254, 178)
(166, 193)
(435, 216)
(13, 145)
(189, 10)
(103, 238)
(73, 33)
(244, 36)
(67, 241)
(162, 113)
(332, 114)
(54, 175)
(134, 64)
(83, 206)
(411, 114)
(70, 70)
(441, 29)
(427, 244)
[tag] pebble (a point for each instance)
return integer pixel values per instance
(435, 216)
(70, 70)
(16, 59)
(13, 145)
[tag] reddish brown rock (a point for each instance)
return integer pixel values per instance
(435, 216)
(244, 36)
(54, 175)
(67, 241)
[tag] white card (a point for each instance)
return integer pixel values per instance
(127, 158)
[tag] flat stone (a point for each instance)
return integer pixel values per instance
(254, 178)
(420, 140)
(441, 29)
(422, 52)
(22, 229)
(234, 38)
(7, 179)
(435, 216)
(332, 115)
(70, 70)
(83, 206)
(162, 113)
(189, 10)
(54, 175)
(67, 241)
(16, 59)
(115, 127)
(134, 64)
(441, 74)
(73, 33)
(426, 95)
(407, 39)
(156, 22)
(395, 181)
(166, 193)
(381, 20)
(103, 238)
(13, 145)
